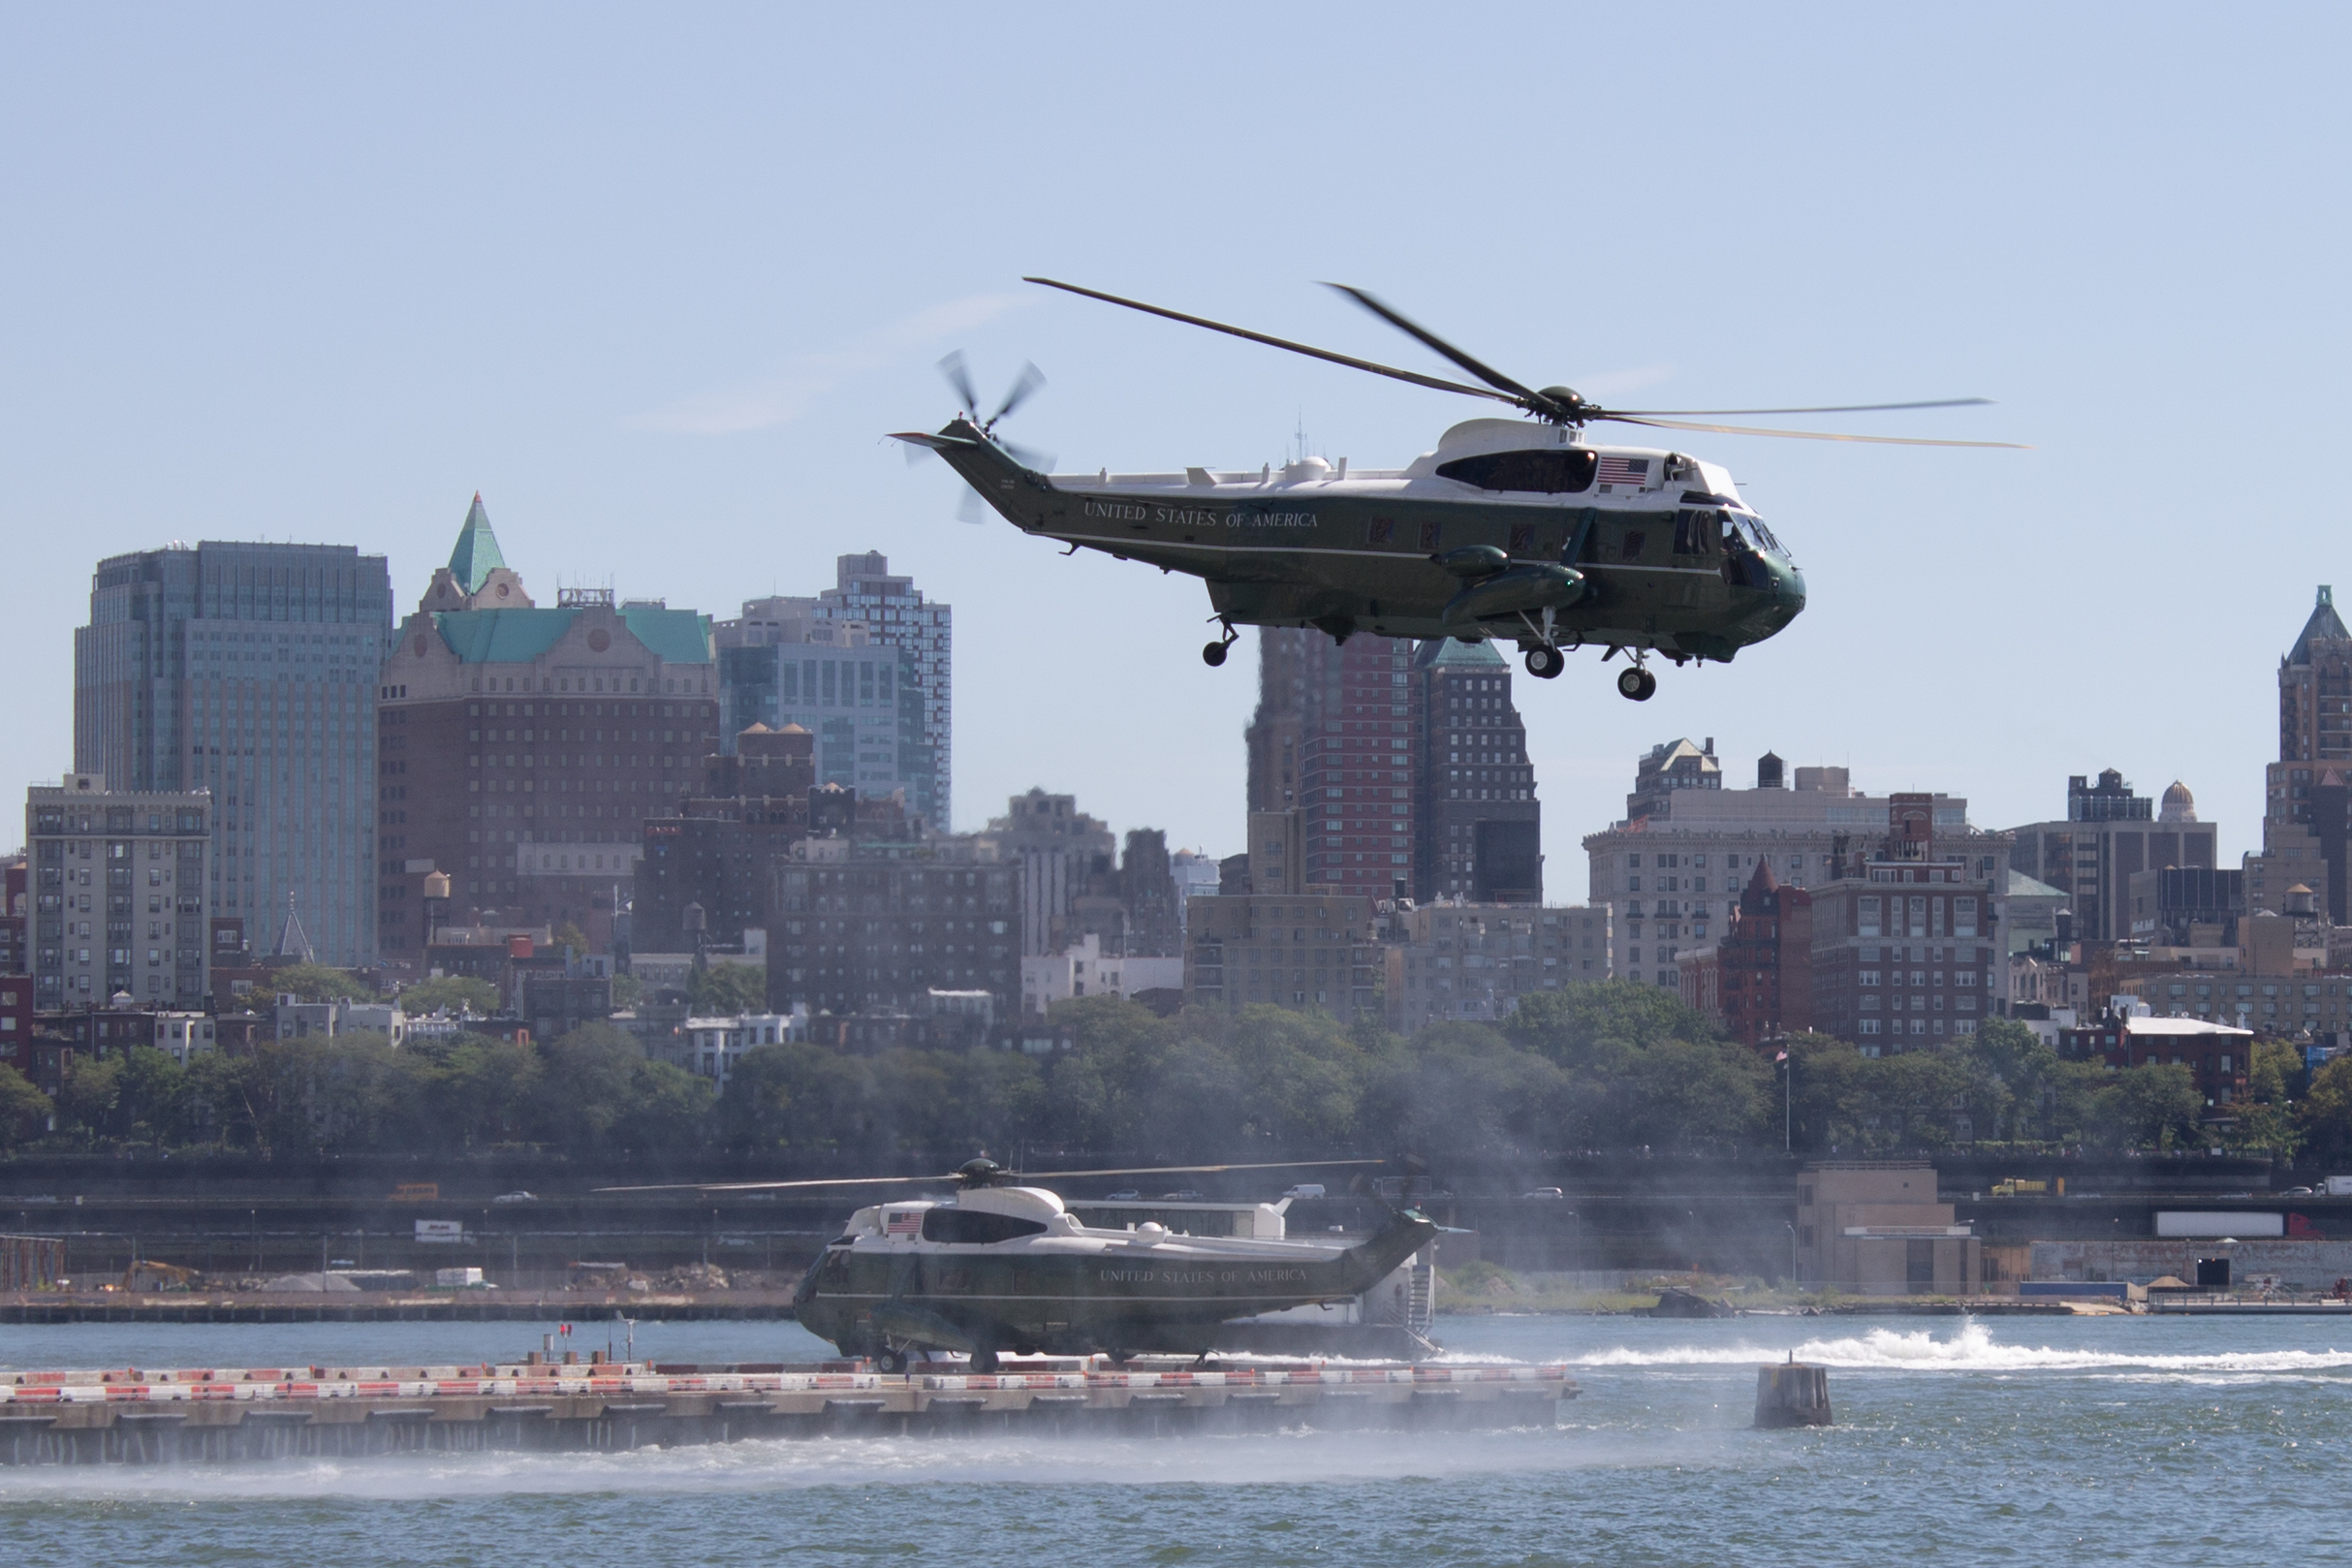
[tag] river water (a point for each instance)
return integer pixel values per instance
(2207, 1441)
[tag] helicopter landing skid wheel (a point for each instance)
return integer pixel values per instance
(1545, 662)
(891, 1360)
(1636, 684)
(1213, 655)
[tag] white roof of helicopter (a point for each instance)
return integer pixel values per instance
(1468, 439)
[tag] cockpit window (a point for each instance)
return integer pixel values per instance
(971, 1225)
(1556, 471)
(1698, 533)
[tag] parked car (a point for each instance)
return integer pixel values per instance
(1125, 1195)
(1304, 1189)
(1187, 1196)
(516, 1198)
(2298, 1192)
(1544, 1192)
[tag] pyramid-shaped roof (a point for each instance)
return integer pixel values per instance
(292, 942)
(477, 553)
(1453, 654)
(2324, 624)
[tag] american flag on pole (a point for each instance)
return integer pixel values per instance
(903, 1222)
(1615, 470)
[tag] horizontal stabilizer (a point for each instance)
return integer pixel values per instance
(937, 443)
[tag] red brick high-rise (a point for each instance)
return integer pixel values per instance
(520, 749)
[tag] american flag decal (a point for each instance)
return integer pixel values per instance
(1624, 470)
(903, 1222)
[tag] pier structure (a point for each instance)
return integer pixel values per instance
(131, 1415)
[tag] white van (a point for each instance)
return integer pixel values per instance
(1311, 1189)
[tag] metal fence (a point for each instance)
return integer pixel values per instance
(30, 1262)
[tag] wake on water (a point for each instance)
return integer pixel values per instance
(1970, 1350)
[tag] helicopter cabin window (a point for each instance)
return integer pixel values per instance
(1559, 471)
(1698, 533)
(971, 1225)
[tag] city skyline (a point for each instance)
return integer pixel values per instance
(407, 261)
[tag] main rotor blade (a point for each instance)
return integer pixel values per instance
(1809, 435)
(1827, 408)
(1429, 339)
(1026, 457)
(1434, 383)
(783, 1186)
(960, 379)
(1188, 1170)
(1030, 378)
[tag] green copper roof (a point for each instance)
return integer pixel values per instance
(520, 636)
(1452, 653)
(2324, 623)
(477, 552)
(679, 635)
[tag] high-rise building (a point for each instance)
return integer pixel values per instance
(120, 883)
(1063, 857)
(892, 613)
(1480, 826)
(1285, 942)
(522, 748)
(1274, 733)
(1756, 982)
(1673, 872)
(717, 850)
(1454, 961)
(861, 701)
(248, 670)
(2110, 836)
(2307, 807)
(1906, 940)
(859, 926)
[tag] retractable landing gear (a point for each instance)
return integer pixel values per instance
(1213, 655)
(1637, 684)
(1545, 662)
(889, 1358)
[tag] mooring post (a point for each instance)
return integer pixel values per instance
(1792, 1395)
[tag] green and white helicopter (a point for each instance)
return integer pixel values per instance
(1510, 530)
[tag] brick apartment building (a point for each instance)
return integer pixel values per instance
(1906, 945)
(520, 749)
(1756, 982)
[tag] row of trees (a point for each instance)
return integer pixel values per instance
(1604, 1066)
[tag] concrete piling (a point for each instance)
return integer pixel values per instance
(1792, 1395)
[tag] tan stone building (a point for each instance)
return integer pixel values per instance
(1875, 1228)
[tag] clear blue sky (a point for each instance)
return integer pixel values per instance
(655, 281)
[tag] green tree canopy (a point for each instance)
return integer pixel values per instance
(727, 989)
(458, 994)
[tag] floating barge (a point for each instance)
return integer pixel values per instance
(132, 1417)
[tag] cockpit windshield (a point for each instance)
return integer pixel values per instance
(1757, 534)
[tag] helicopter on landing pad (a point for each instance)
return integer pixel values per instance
(1002, 1266)
(1508, 530)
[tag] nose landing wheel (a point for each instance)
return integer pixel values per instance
(1636, 684)
(1213, 655)
(1545, 662)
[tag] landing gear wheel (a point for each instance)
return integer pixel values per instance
(984, 1360)
(1544, 663)
(889, 1361)
(1636, 685)
(1213, 655)
(1118, 1358)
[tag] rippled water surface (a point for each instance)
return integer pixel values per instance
(2213, 1441)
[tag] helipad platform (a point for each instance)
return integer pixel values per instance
(134, 1416)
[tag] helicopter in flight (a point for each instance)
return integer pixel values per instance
(1003, 1266)
(1508, 530)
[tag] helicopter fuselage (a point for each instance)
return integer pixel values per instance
(1622, 546)
(1007, 1269)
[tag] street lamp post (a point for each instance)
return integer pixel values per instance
(1790, 1226)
